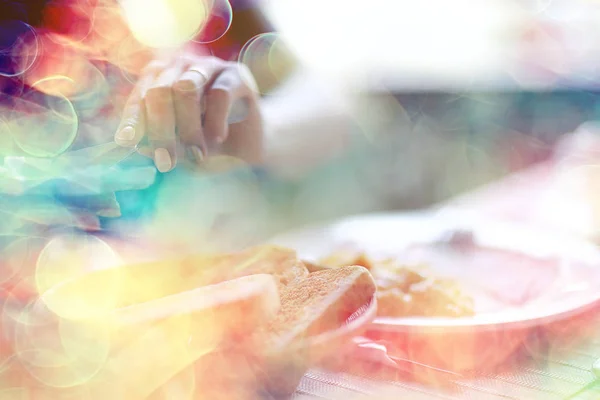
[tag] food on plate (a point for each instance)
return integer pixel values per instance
(404, 291)
(342, 258)
(243, 325)
(428, 298)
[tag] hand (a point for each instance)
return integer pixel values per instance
(184, 107)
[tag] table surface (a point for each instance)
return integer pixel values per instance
(553, 371)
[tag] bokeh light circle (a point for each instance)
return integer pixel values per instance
(44, 127)
(59, 353)
(73, 76)
(18, 257)
(36, 339)
(268, 58)
(10, 385)
(218, 22)
(91, 92)
(131, 58)
(109, 24)
(79, 299)
(19, 48)
(165, 23)
(69, 256)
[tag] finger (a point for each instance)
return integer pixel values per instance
(160, 119)
(133, 122)
(187, 92)
(226, 88)
(132, 125)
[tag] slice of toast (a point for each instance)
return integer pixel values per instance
(270, 363)
(100, 292)
(168, 335)
(279, 262)
(139, 348)
(317, 304)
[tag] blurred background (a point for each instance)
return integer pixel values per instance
(436, 97)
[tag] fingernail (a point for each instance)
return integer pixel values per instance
(126, 134)
(162, 159)
(221, 138)
(195, 154)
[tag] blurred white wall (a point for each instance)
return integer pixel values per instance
(358, 40)
(440, 43)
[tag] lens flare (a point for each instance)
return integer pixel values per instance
(36, 340)
(90, 296)
(69, 256)
(19, 48)
(109, 24)
(131, 57)
(137, 373)
(16, 258)
(59, 353)
(162, 23)
(268, 58)
(92, 92)
(65, 72)
(218, 22)
(19, 258)
(44, 130)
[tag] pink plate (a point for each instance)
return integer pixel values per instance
(526, 279)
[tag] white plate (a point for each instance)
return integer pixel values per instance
(570, 268)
